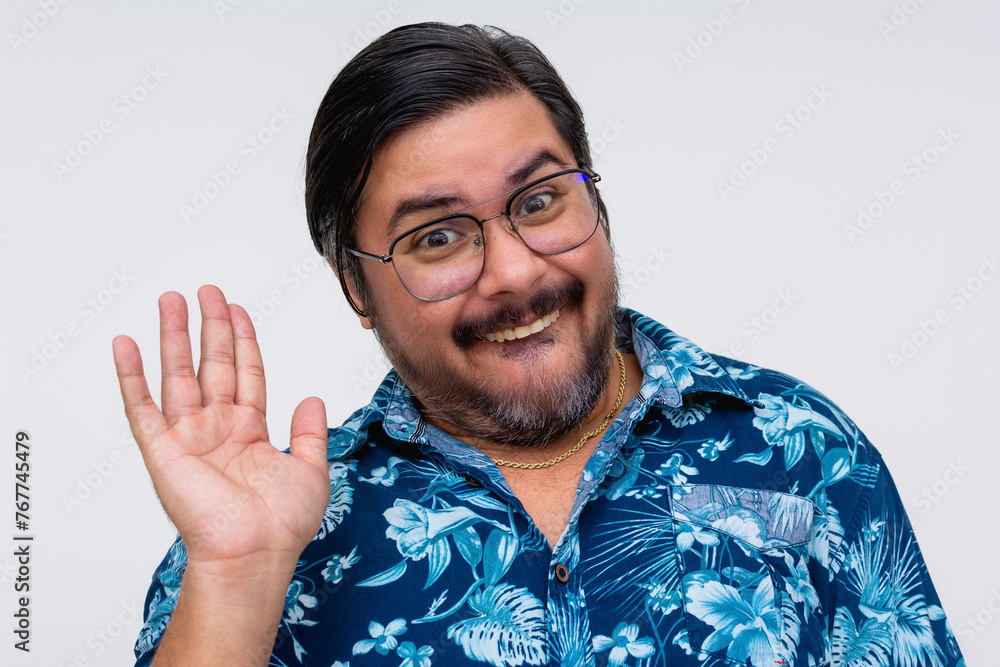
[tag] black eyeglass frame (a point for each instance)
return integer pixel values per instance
(513, 194)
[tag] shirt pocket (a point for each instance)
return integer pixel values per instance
(745, 588)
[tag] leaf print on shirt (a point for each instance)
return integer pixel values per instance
(648, 527)
(341, 496)
(569, 633)
(868, 644)
(828, 535)
(690, 413)
(161, 607)
(508, 628)
(885, 571)
(626, 472)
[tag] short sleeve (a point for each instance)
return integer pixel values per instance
(885, 609)
(160, 602)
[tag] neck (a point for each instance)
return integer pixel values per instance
(558, 445)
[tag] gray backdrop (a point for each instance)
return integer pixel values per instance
(808, 186)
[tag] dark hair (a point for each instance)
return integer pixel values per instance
(412, 74)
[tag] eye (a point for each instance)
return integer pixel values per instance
(534, 203)
(438, 238)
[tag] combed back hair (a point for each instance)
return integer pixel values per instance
(413, 74)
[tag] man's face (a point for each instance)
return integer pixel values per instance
(522, 391)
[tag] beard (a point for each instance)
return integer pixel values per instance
(548, 403)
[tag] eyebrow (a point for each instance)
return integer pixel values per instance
(449, 202)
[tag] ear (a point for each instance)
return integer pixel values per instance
(356, 298)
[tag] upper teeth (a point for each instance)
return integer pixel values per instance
(526, 330)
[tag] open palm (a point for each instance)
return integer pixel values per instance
(229, 492)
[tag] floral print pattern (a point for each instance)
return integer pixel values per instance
(730, 515)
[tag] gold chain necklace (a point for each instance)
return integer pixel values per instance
(586, 436)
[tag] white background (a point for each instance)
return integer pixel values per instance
(666, 132)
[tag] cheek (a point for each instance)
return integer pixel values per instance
(592, 262)
(418, 325)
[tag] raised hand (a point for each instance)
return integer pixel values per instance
(233, 497)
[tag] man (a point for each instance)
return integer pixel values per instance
(544, 478)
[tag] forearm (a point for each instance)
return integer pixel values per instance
(226, 614)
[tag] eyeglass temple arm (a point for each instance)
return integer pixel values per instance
(381, 259)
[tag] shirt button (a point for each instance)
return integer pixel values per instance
(562, 573)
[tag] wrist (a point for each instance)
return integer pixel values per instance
(235, 581)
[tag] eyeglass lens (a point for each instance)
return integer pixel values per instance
(440, 260)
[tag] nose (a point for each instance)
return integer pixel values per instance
(510, 267)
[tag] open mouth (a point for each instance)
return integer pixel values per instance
(523, 331)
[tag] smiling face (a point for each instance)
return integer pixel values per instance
(525, 353)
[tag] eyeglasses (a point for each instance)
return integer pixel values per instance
(444, 257)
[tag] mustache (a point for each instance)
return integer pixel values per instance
(509, 314)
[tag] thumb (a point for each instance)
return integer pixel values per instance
(308, 438)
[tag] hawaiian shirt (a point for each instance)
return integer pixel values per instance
(730, 515)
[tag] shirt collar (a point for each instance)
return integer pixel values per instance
(672, 367)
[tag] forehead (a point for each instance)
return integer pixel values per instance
(464, 157)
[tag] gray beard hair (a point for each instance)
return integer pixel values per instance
(548, 409)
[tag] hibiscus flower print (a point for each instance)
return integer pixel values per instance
(383, 637)
(624, 642)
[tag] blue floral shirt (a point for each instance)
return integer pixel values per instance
(730, 515)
